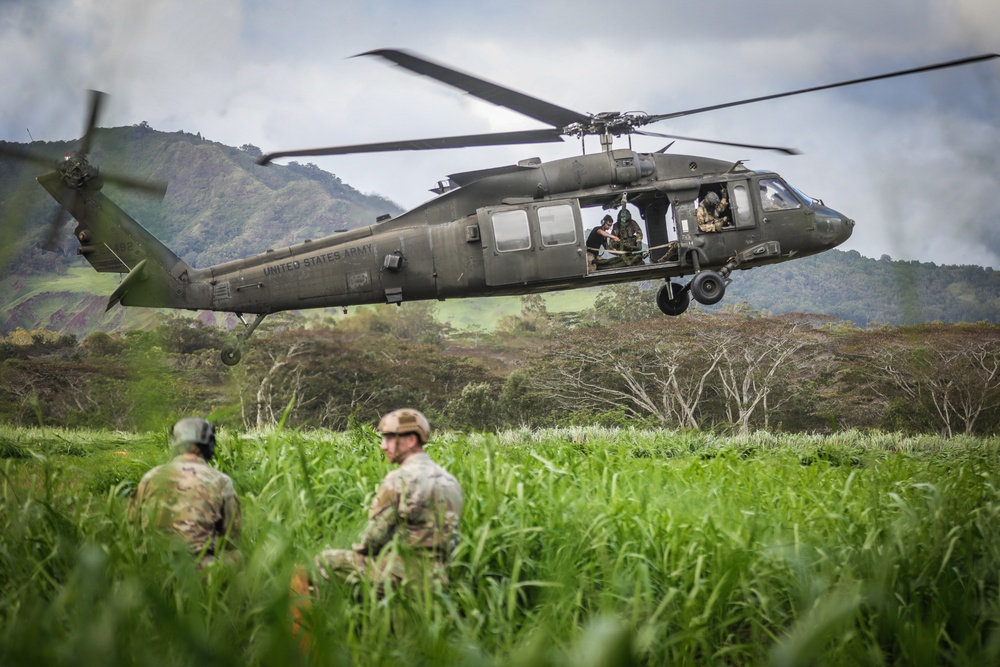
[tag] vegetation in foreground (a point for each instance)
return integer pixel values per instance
(588, 546)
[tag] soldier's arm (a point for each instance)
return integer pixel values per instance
(232, 515)
(136, 501)
(383, 518)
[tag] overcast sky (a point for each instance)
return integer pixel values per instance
(913, 161)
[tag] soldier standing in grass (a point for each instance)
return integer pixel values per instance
(189, 499)
(413, 521)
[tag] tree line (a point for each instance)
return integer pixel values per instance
(616, 364)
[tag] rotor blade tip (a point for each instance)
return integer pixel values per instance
(376, 52)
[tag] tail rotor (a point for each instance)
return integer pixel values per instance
(77, 174)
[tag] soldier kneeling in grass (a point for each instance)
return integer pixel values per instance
(189, 499)
(418, 504)
(412, 523)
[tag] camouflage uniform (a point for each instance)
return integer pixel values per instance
(630, 235)
(712, 218)
(192, 500)
(418, 505)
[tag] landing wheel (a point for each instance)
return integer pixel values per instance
(708, 287)
(676, 305)
(231, 356)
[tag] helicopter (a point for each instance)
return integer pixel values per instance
(509, 230)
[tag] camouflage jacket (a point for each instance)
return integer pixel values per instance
(419, 501)
(191, 499)
(712, 221)
(629, 233)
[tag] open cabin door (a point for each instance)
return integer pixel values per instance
(532, 242)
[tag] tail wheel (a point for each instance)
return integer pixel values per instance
(708, 287)
(231, 356)
(672, 298)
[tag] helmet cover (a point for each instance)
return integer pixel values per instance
(403, 421)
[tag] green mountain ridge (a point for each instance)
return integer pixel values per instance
(221, 206)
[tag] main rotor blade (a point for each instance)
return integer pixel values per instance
(915, 70)
(491, 92)
(96, 102)
(779, 149)
(464, 141)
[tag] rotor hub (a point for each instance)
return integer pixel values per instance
(76, 170)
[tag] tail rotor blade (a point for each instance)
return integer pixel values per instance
(96, 103)
(149, 187)
(15, 153)
(51, 242)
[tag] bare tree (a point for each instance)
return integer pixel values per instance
(283, 377)
(636, 369)
(978, 388)
(956, 372)
(756, 357)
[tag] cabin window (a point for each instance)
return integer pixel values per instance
(775, 196)
(557, 225)
(510, 230)
(744, 211)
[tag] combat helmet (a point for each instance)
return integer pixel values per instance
(712, 199)
(193, 433)
(403, 421)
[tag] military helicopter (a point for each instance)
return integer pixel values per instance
(507, 230)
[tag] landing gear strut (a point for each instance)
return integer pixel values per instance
(232, 355)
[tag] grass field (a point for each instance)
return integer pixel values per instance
(590, 547)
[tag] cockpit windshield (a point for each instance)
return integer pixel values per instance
(776, 196)
(806, 198)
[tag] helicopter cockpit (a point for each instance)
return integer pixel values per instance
(774, 196)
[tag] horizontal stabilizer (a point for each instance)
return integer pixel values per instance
(134, 276)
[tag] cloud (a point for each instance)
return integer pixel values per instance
(913, 160)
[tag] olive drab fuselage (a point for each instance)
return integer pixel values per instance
(512, 230)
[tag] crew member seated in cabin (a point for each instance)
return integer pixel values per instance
(713, 212)
(629, 245)
(600, 237)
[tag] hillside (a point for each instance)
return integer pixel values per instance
(865, 291)
(221, 205)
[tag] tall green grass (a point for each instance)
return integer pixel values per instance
(585, 546)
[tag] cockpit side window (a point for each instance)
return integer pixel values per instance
(776, 196)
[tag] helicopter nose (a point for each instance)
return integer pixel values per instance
(833, 228)
(846, 229)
